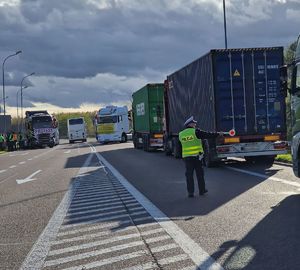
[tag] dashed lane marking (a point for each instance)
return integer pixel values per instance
(2, 171)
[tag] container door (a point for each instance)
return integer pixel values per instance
(268, 101)
(230, 91)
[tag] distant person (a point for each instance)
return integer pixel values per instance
(2, 141)
(9, 141)
(192, 154)
(20, 140)
(15, 140)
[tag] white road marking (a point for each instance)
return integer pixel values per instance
(101, 204)
(105, 242)
(22, 162)
(164, 247)
(177, 258)
(283, 181)
(99, 199)
(35, 258)
(100, 194)
(101, 209)
(87, 255)
(13, 166)
(109, 261)
(190, 247)
(111, 225)
(29, 178)
(111, 214)
(96, 189)
(67, 152)
(103, 219)
(29, 159)
(145, 266)
(2, 171)
(94, 235)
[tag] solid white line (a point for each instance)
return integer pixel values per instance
(13, 166)
(102, 219)
(97, 195)
(100, 243)
(87, 255)
(100, 209)
(35, 258)
(111, 225)
(283, 181)
(99, 190)
(108, 261)
(196, 253)
(29, 178)
(2, 171)
(100, 205)
(101, 186)
(145, 266)
(22, 162)
(111, 214)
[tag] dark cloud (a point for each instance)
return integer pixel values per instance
(75, 40)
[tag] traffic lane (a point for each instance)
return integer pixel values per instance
(236, 206)
(26, 209)
(277, 170)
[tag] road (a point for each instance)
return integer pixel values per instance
(90, 206)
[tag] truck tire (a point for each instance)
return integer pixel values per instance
(167, 148)
(208, 162)
(177, 148)
(146, 143)
(71, 141)
(123, 138)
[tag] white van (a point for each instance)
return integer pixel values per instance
(77, 130)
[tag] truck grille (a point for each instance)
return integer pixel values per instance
(44, 138)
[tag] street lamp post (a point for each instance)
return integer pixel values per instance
(22, 95)
(1, 101)
(225, 27)
(3, 86)
(18, 106)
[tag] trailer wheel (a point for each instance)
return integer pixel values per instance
(263, 160)
(123, 138)
(146, 143)
(177, 148)
(208, 162)
(167, 148)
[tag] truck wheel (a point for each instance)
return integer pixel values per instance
(177, 148)
(263, 160)
(167, 149)
(123, 138)
(208, 162)
(71, 141)
(146, 146)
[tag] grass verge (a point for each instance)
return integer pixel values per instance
(287, 158)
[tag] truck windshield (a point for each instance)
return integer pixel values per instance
(107, 119)
(42, 122)
(78, 121)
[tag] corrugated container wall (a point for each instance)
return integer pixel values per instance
(147, 107)
(230, 89)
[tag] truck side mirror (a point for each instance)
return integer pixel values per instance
(283, 80)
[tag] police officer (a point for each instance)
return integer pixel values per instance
(192, 152)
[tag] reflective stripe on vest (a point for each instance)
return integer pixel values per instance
(191, 145)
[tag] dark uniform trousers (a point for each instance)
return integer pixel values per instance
(194, 164)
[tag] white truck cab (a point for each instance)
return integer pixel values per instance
(76, 130)
(112, 124)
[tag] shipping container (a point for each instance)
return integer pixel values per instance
(147, 109)
(230, 89)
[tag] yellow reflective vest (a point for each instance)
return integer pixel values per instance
(191, 145)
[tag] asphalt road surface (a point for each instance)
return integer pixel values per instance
(90, 206)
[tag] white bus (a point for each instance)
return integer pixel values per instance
(77, 130)
(112, 124)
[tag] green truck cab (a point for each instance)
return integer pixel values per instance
(295, 106)
(148, 117)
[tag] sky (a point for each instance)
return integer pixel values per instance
(90, 53)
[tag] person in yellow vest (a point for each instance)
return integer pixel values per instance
(2, 140)
(192, 152)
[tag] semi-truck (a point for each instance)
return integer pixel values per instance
(230, 90)
(295, 106)
(41, 129)
(147, 111)
(76, 129)
(112, 124)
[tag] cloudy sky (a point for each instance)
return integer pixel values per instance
(90, 53)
